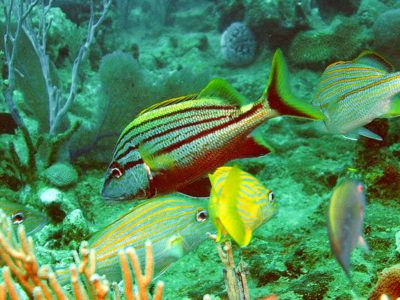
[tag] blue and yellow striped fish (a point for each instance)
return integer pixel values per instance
(353, 93)
(174, 223)
(32, 220)
(181, 140)
(239, 203)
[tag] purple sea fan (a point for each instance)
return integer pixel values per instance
(238, 45)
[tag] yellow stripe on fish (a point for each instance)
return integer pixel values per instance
(175, 224)
(239, 204)
(176, 142)
(353, 93)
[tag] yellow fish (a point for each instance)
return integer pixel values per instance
(239, 204)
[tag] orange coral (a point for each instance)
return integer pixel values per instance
(388, 284)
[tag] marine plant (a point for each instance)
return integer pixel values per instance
(40, 282)
(31, 20)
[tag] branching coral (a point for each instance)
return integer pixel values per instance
(40, 282)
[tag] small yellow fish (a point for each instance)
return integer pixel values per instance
(345, 221)
(239, 204)
(20, 214)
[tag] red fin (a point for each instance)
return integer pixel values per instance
(253, 146)
(198, 188)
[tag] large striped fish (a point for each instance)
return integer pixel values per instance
(353, 93)
(174, 223)
(178, 141)
(239, 204)
(32, 220)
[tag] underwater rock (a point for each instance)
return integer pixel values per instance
(387, 34)
(61, 175)
(369, 10)
(238, 45)
(388, 284)
(75, 227)
(55, 203)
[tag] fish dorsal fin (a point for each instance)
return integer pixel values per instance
(373, 59)
(221, 89)
(168, 102)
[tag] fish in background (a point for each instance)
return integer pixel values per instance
(353, 93)
(32, 220)
(176, 142)
(345, 221)
(175, 224)
(239, 204)
(7, 124)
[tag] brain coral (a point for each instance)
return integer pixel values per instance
(61, 175)
(238, 45)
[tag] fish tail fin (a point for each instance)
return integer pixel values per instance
(278, 94)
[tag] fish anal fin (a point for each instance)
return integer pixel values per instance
(279, 96)
(221, 89)
(368, 133)
(354, 135)
(253, 146)
(375, 60)
(168, 102)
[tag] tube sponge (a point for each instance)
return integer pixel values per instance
(238, 45)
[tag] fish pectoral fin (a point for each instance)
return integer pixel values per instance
(156, 163)
(175, 247)
(221, 89)
(363, 244)
(254, 145)
(394, 110)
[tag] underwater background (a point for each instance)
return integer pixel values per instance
(147, 51)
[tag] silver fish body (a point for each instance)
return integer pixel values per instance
(351, 94)
(345, 221)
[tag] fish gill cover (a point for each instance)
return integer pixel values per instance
(71, 94)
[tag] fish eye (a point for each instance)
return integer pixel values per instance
(360, 188)
(271, 196)
(17, 218)
(201, 215)
(116, 172)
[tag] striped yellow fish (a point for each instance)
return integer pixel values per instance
(174, 223)
(239, 204)
(179, 141)
(32, 220)
(353, 93)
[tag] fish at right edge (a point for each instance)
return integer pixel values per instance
(353, 93)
